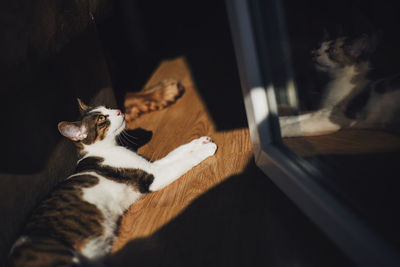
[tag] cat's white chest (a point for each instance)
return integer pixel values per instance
(112, 199)
(339, 88)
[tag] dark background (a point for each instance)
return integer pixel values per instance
(134, 40)
(308, 22)
(53, 52)
(140, 36)
(121, 49)
(368, 182)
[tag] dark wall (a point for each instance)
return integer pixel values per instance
(145, 32)
(49, 55)
(53, 53)
(308, 20)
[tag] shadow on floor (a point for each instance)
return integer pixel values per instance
(134, 139)
(368, 183)
(245, 221)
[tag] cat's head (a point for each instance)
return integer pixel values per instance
(97, 125)
(334, 55)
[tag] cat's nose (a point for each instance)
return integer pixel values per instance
(119, 112)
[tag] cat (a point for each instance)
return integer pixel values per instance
(78, 221)
(350, 99)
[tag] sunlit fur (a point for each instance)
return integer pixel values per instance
(109, 178)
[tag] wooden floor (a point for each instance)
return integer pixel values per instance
(185, 120)
(224, 212)
(345, 142)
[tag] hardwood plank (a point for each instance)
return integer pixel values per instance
(346, 142)
(185, 120)
(224, 212)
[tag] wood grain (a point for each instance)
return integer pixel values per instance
(225, 211)
(345, 142)
(178, 124)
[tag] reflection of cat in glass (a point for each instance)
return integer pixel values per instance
(350, 99)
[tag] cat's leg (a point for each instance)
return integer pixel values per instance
(154, 98)
(181, 160)
(311, 124)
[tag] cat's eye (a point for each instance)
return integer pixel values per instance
(102, 118)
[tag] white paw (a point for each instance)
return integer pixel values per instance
(195, 151)
(201, 148)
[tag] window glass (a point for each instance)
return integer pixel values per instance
(339, 99)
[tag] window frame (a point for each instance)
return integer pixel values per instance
(297, 178)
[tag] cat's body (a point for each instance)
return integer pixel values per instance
(79, 220)
(350, 99)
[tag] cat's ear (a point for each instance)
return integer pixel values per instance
(75, 131)
(359, 46)
(82, 107)
(364, 45)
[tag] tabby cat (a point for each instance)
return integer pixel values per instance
(350, 99)
(78, 222)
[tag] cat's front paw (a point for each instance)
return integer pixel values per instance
(201, 148)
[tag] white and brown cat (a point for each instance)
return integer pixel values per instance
(350, 99)
(78, 222)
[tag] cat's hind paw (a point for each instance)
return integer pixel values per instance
(154, 98)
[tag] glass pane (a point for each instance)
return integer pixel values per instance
(339, 99)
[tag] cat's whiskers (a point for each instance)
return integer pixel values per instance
(127, 137)
(120, 141)
(124, 138)
(126, 133)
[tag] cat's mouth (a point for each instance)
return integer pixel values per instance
(319, 66)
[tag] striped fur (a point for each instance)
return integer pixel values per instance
(77, 223)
